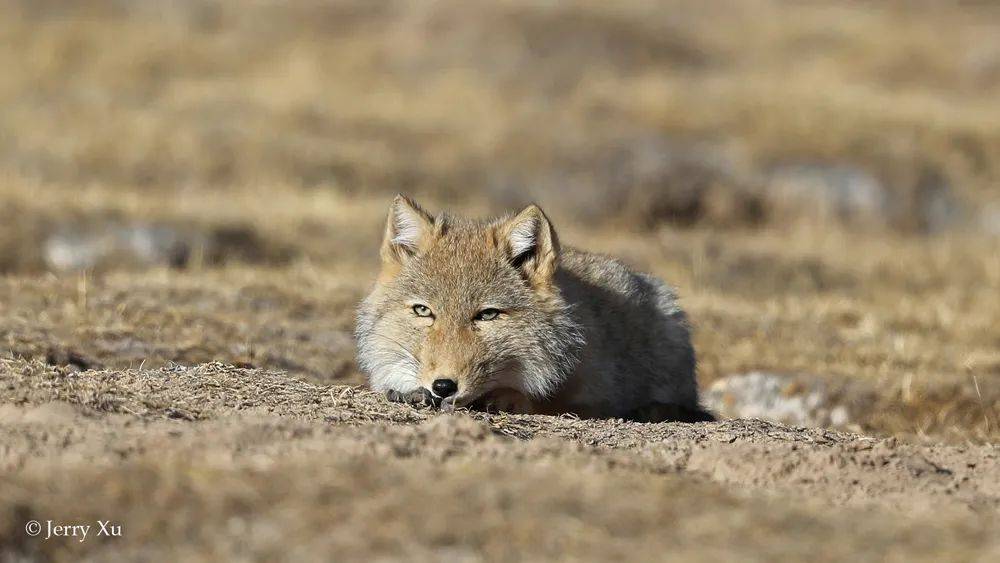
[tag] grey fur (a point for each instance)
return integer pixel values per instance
(580, 333)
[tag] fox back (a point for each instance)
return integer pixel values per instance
(464, 311)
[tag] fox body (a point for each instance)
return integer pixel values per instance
(495, 314)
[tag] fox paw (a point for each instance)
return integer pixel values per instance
(505, 400)
(418, 398)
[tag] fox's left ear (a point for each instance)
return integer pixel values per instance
(532, 245)
(408, 231)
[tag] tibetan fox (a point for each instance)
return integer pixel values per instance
(495, 315)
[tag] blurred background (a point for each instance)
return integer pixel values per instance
(204, 180)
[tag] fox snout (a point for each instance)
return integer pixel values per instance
(443, 392)
(452, 378)
(451, 385)
(444, 387)
(451, 357)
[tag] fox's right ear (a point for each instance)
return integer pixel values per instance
(532, 245)
(407, 230)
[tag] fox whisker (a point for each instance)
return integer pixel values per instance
(399, 345)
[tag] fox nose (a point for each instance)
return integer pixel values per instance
(444, 387)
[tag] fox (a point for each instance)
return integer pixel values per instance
(495, 315)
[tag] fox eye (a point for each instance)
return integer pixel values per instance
(487, 315)
(422, 311)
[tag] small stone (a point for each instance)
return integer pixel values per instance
(793, 400)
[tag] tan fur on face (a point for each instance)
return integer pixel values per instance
(552, 302)
(458, 268)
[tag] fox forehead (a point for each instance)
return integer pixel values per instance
(464, 268)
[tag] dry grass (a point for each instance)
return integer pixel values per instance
(293, 123)
(819, 180)
(903, 327)
(448, 96)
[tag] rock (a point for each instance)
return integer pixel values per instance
(934, 209)
(641, 180)
(835, 191)
(989, 219)
(98, 244)
(798, 401)
(87, 247)
(903, 195)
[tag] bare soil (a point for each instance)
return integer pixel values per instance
(214, 462)
(207, 180)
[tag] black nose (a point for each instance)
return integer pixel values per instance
(444, 387)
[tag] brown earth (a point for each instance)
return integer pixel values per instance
(220, 462)
(818, 179)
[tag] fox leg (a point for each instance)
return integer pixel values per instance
(669, 412)
(418, 397)
(506, 400)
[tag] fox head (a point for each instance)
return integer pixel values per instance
(463, 307)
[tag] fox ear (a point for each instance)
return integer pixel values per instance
(406, 230)
(532, 244)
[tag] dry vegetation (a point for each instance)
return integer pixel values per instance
(216, 462)
(198, 181)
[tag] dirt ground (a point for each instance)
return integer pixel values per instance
(191, 199)
(215, 462)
